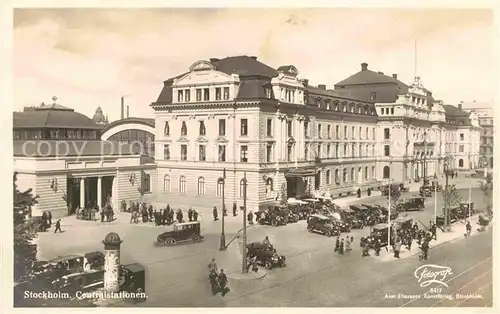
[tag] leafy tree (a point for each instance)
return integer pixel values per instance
(395, 193)
(487, 189)
(451, 198)
(24, 232)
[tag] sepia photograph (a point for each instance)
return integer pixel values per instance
(238, 157)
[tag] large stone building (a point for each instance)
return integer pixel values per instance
(484, 112)
(417, 132)
(60, 155)
(291, 139)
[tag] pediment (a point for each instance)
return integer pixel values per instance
(209, 76)
(183, 139)
(201, 65)
(201, 139)
(221, 139)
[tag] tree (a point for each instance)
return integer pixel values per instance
(283, 199)
(487, 189)
(395, 192)
(451, 198)
(24, 232)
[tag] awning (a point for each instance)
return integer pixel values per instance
(297, 173)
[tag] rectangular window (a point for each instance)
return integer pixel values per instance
(366, 133)
(218, 94)
(360, 133)
(319, 131)
(269, 153)
(319, 153)
(289, 152)
(222, 127)
(222, 153)
(202, 152)
(387, 150)
(392, 110)
(166, 152)
(289, 128)
(180, 96)
(226, 93)
(329, 131)
(461, 149)
(269, 127)
(336, 150)
(353, 133)
(206, 94)
(244, 127)
(269, 93)
(462, 137)
(243, 153)
(306, 129)
(184, 151)
(337, 132)
(387, 133)
(373, 133)
(306, 153)
(328, 151)
(198, 94)
(345, 150)
(345, 132)
(187, 95)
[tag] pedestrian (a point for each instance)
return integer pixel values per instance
(58, 226)
(377, 245)
(49, 218)
(212, 266)
(433, 232)
(359, 192)
(425, 250)
(347, 244)
(223, 283)
(195, 215)
(337, 245)
(369, 191)
(224, 210)
(250, 218)
(190, 214)
(150, 212)
(396, 248)
(341, 248)
(215, 214)
(364, 246)
(235, 210)
(102, 216)
(468, 229)
(156, 216)
(180, 216)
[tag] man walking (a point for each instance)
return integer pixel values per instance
(337, 245)
(468, 229)
(58, 226)
(49, 218)
(215, 214)
(235, 210)
(190, 214)
(223, 283)
(195, 215)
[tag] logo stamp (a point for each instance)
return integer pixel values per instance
(432, 274)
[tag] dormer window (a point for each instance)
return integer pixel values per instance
(187, 95)
(218, 93)
(373, 96)
(318, 103)
(226, 93)
(269, 92)
(166, 129)
(184, 129)
(180, 96)
(345, 108)
(336, 107)
(203, 130)
(352, 109)
(198, 94)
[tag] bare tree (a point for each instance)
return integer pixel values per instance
(487, 189)
(451, 198)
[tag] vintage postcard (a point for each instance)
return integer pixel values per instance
(253, 157)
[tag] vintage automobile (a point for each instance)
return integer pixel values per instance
(453, 216)
(274, 216)
(268, 259)
(381, 232)
(403, 223)
(183, 232)
(464, 207)
(410, 204)
(350, 217)
(425, 191)
(94, 260)
(379, 212)
(363, 213)
(81, 281)
(395, 185)
(133, 279)
(322, 224)
(259, 246)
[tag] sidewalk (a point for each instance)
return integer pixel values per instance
(457, 231)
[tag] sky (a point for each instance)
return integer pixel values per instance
(93, 57)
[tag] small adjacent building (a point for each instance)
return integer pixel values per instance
(60, 155)
(484, 112)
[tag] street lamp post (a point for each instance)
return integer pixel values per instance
(389, 205)
(425, 164)
(470, 186)
(223, 235)
(244, 260)
(446, 173)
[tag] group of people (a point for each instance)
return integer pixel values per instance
(218, 279)
(343, 245)
(165, 216)
(46, 223)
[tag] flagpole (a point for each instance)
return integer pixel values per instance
(389, 205)
(470, 187)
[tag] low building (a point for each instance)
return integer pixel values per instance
(60, 155)
(484, 112)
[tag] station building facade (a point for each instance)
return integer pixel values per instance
(416, 131)
(238, 114)
(60, 155)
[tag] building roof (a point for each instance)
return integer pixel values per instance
(366, 76)
(145, 121)
(452, 111)
(331, 93)
(52, 116)
(243, 66)
(30, 148)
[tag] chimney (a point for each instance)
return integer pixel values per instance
(364, 66)
(123, 109)
(128, 112)
(305, 82)
(212, 60)
(395, 76)
(460, 106)
(253, 57)
(322, 86)
(381, 73)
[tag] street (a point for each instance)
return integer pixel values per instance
(314, 276)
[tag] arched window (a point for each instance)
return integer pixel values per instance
(387, 172)
(344, 175)
(366, 173)
(182, 184)
(220, 186)
(201, 185)
(353, 175)
(184, 130)
(328, 177)
(359, 175)
(166, 129)
(460, 163)
(269, 186)
(337, 178)
(242, 188)
(166, 183)
(373, 172)
(203, 130)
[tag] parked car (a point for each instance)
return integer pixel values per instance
(274, 216)
(183, 232)
(266, 255)
(350, 217)
(425, 191)
(322, 224)
(464, 206)
(411, 204)
(259, 246)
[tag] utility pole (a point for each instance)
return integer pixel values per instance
(244, 260)
(470, 186)
(223, 235)
(446, 218)
(425, 164)
(389, 205)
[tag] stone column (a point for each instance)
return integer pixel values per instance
(112, 244)
(99, 192)
(82, 193)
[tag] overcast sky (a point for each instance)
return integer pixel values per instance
(91, 57)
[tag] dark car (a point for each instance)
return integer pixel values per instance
(183, 232)
(94, 260)
(350, 217)
(425, 191)
(83, 281)
(274, 216)
(322, 224)
(464, 207)
(411, 204)
(268, 259)
(453, 217)
(133, 279)
(259, 246)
